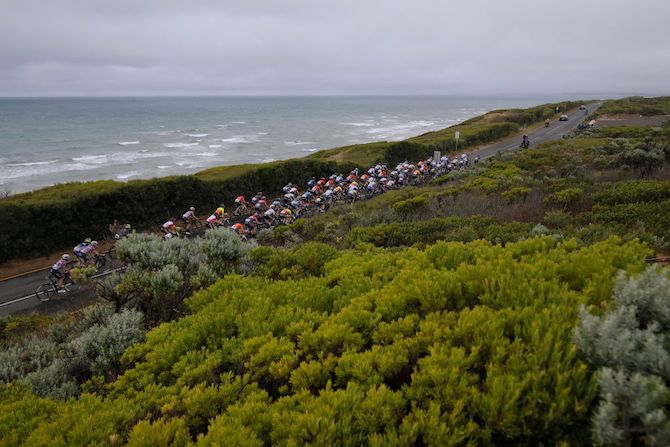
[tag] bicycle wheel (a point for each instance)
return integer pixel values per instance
(100, 262)
(45, 292)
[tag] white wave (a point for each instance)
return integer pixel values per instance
(400, 129)
(267, 160)
(240, 139)
(160, 133)
(214, 146)
(297, 143)
(262, 133)
(198, 135)
(128, 143)
(91, 158)
(32, 163)
(359, 124)
(238, 122)
(310, 150)
(207, 154)
(163, 167)
(128, 175)
(177, 145)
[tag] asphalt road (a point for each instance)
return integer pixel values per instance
(17, 296)
(555, 131)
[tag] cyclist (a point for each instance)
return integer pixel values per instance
(216, 219)
(242, 206)
(188, 218)
(77, 250)
(123, 232)
(239, 229)
(89, 252)
(169, 229)
(59, 269)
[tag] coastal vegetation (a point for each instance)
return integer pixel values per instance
(508, 304)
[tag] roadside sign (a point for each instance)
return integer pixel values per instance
(457, 135)
(436, 156)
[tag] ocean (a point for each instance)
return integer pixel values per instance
(49, 141)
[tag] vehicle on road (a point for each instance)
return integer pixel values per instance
(47, 290)
(582, 107)
(546, 123)
(563, 118)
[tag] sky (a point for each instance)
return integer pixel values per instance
(343, 47)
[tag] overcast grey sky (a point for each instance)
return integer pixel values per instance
(199, 47)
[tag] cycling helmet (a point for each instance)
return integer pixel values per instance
(87, 240)
(94, 242)
(127, 226)
(66, 257)
(192, 208)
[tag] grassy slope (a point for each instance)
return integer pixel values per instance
(636, 105)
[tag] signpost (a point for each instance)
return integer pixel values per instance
(457, 135)
(437, 155)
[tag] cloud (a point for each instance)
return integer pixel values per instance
(486, 47)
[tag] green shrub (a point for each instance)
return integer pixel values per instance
(433, 346)
(280, 263)
(557, 219)
(516, 194)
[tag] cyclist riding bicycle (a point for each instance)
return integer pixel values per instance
(77, 249)
(89, 252)
(59, 269)
(169, 229)
(189, 218)
(123, 232)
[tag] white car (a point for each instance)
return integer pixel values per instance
(563, 118)
(582, 107)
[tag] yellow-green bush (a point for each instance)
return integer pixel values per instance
(457, 343)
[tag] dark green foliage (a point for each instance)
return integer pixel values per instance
(636, 105)
(447, 229)
(632, 192)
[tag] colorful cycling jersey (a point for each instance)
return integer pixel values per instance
(79, 247)
(269, 213)
(188, 215)
(212, 219)
(88, 249)
(168, 224)
(239, 199)
(59, 265)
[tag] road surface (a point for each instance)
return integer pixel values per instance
(555, 131)
(17, 295)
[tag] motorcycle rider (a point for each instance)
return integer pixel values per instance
(525, 142)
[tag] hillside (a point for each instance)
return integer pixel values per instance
(463, 312)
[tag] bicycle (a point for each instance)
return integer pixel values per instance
(242, 210)
(48, 290)
(102, 259)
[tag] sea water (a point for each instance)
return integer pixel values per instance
(56, 140)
